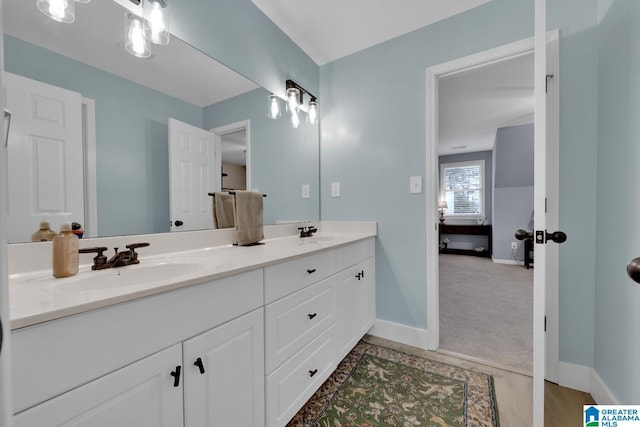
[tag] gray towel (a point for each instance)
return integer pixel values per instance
(223, 210)
(248, 217)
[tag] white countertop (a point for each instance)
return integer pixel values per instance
(37, 297)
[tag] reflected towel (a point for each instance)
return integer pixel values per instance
(248, 217)
(223, 210)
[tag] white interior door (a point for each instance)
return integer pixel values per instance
(45, 170)
(192, 175)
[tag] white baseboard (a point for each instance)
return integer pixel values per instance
(574, 376)
(400, 333)
(586, 379)
(600, 392)
(506, 261)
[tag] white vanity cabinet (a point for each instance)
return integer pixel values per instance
(224, 375)
(142, 394)
(311, 325)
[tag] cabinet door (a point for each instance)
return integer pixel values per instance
(356, 304)
(144, 394)
(224, 374)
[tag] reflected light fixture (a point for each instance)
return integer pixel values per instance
(156, 14)
(442, 205)
(135, 41)
(83, 1)
(274, 107)
(295, 104)
(312, 114)
(59, 10)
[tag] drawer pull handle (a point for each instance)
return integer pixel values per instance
(176, 376)
(311, 316)
(200, 365)
(312, 373)
(311, 271)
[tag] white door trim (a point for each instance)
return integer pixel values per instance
(234, 127)
(434, 73)
(90, 180)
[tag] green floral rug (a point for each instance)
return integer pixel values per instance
(376, 386)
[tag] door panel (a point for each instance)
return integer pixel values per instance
(45, 151)
(192, 166)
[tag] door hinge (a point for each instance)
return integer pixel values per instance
(545, 205)
(545, 323)
(546, 86)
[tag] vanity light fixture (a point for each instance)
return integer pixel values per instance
(135, 41)
(59, 10)
(156, 21)
(274, 107)
(295, 103)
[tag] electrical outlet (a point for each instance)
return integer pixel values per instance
(514, 245)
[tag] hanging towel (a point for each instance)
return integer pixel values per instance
(223, 210)
(248, 217)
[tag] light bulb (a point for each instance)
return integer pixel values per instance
(292, 99)
(157, 21)
(135, 42)
(295, 120)
(58, 10)
(274, 107)
(312, 115)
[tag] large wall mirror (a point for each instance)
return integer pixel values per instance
(86, 111)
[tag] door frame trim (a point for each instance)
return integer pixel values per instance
(234, 127)
(433, 74)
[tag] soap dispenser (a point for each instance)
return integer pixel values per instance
(44, 234)
(65, 252)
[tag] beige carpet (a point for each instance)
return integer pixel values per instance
(486, 310)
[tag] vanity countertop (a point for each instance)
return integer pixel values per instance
(37, 297)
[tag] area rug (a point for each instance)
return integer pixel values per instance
(376, 386)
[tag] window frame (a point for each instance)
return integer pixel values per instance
(451, 165)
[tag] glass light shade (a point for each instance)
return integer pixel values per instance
(442, 204)
(292, 99)
(274, 107)
(59, 10)
(156, 15)
(134, 41)
(295, 120)
(313, 111)
(83, 1)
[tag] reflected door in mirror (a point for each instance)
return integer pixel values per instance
(45, 156)
(192, 166)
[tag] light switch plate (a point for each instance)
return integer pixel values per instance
(306, 191)
(335, 189)
(415, 184)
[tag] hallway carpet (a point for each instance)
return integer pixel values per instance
(486, 311)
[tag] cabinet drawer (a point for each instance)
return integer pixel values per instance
(287, 277)
(294, 321)
(349, 255)
(293, 383)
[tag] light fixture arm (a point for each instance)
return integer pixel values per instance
(292, 84)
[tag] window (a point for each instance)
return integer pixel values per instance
(462, 186)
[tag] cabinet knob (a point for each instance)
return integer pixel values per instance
(359, 276)
(312, 373)
(311, 316)
(200, 365)
(176, 376)
(311, 271)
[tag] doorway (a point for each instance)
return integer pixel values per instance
(233, 142)
(435, 76)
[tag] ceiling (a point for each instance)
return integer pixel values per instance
(96, 38)
(331, 29)
(472, 105)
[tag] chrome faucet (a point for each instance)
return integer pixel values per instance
(119, 259)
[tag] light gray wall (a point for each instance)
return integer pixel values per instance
(617, 298)
(373, 138)
(513, 189)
